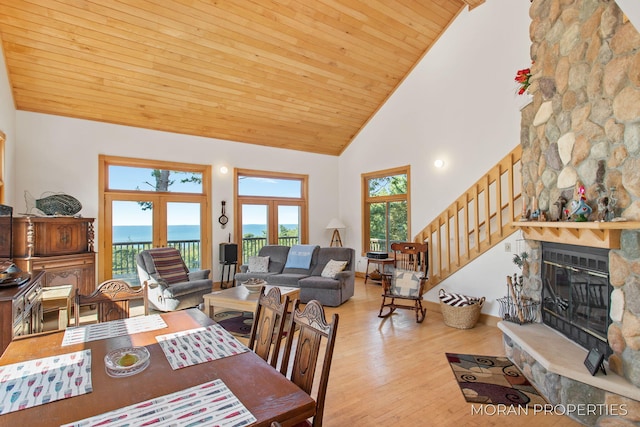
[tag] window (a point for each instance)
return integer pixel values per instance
(147, 204)
(271, 209)
(385, 208)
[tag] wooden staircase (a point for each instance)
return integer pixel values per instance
(477, 221)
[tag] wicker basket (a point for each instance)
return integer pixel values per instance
(464, 317)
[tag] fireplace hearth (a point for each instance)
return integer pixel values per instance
(576, 293)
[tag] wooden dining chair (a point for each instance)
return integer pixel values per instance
(112, 300)
(313, 329)
(268, 325)
(404, 286)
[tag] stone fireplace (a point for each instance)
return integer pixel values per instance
(553, 359)
(583, 129)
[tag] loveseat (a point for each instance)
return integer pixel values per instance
(280, 270)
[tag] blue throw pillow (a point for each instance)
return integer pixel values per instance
(300, 256)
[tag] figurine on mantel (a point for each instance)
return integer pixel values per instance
(603, 207)
(580, 210)
(557, 209)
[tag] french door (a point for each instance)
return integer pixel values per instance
(271, 209)
(132, 221)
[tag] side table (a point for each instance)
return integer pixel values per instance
(380, 263)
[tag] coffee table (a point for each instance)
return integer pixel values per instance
(239, 298)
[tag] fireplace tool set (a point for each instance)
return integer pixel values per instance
(515, 307)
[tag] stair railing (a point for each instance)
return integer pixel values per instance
(473, 223)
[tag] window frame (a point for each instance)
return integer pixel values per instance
(107, 196)
(272, 203)
(368, 200)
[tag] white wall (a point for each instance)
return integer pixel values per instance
(7, 125)
(60, 154)
(459, 105)
(632, 9)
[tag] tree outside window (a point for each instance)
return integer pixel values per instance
(386, 209)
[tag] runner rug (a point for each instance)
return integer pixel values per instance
(492, 380)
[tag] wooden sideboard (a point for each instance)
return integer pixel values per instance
(21, 309)
(60, 246)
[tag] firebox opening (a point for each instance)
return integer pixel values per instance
(576, 293)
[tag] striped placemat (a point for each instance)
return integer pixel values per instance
(208, 404)
(186, 348)
(36, 382)
(114, 328)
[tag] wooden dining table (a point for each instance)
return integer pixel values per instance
(266, 393)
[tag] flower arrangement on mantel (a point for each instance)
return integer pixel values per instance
(522, 77)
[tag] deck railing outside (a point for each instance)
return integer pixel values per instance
(252, 245)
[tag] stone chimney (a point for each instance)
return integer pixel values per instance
(583, 128)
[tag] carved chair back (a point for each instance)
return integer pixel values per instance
(112, 300)
(313, 330)
(268, 325)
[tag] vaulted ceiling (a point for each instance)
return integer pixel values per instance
(299, 74)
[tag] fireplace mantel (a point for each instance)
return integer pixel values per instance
(595, 234)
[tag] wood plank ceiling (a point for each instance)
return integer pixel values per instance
(299, 74)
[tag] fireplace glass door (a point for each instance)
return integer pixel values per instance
(576, 293)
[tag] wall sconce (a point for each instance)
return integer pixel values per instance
(224, 170)
(439, 163)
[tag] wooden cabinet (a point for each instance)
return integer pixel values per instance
(77, 270)
(49, 236)
(21, 310)
(60, 246)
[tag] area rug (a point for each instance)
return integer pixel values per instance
(238, 323)
(492, 380)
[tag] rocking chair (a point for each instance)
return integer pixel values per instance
(407, 281)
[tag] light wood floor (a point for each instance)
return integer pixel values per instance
(393, 372)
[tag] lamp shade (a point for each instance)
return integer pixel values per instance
(335, 223)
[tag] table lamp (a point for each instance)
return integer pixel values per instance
(336, 225)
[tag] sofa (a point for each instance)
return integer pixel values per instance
(330, 291)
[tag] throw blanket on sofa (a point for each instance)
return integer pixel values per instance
(169, 265)
(299, 256)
